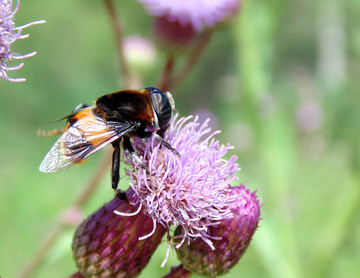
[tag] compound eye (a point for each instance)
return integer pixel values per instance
(162, 107)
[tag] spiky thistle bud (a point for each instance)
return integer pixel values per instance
(109, 245)
(233, 235)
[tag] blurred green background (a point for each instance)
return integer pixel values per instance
(281, 82)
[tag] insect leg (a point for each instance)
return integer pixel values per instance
(166, 144)
(115, 171)
(128, 147)
(53, 132)
(160, 137)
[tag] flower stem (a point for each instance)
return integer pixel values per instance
(166, 77)
(51, 238)
(49, 241)
(77, 275)
(94, 181)
(118, 32)
(192, 59)
(178, 272)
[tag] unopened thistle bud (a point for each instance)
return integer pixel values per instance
(233, 235)
(109, 245)
(139, 52)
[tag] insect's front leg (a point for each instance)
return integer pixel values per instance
(128, 147)
(115, 171)
(166, 144)
(160, 137)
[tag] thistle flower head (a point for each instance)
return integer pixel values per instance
(178, 23)
(140, 52)
(235, 234)
(199, 13)
(191, 190)
(9, 34)
(215, 222)
(173, 36)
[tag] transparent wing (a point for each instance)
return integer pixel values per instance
(82, 139)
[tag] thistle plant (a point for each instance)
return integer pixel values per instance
(108, 245)
(200, 14)
(9, 33)
(190, 190)
(215, 222)
(187, 198)
(234, 235)
(185, 27)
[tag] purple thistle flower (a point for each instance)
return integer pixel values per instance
(108, 245)
(235, 234)
(199, 13)
(215, 222)
(192, 190)
(9, 34)
(173, 36)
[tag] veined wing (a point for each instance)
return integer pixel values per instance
(81, 139)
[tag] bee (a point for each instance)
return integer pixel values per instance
(114, 119)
